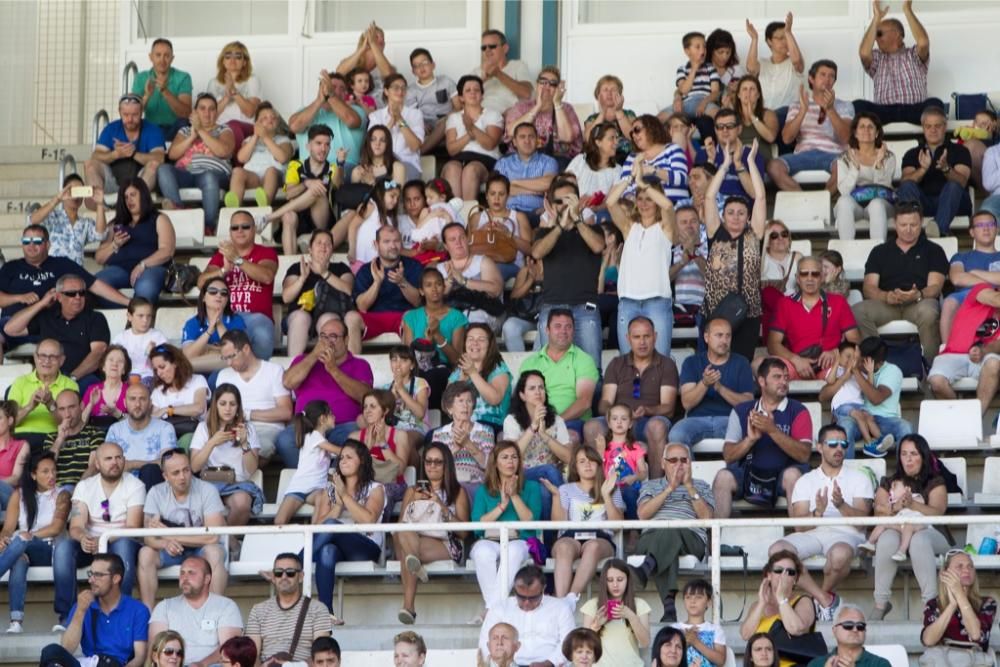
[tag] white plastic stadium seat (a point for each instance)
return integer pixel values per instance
(755, 541)
(990, 495)
(428, 167)
(894, 653)
(172, 320)
(950, 425)
(284, 261)
(957, 467)
(855, 253)
(899, 148)
(974, 536)
(805, 211)
(189, 227)
(877, 466)
(802, 246)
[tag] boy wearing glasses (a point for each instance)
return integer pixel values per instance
(828, 491)
(849, 630)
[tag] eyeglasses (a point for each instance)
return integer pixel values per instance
(433, 462)
(289, 572)
(810, 274)
(636, 386)
(676, 459)
(74, 293)
(331, 336)
(47, 357)
(851, 626)
(397, 87)
(235, 55)
(636, 129)
(878, 34)
(725, 126)
(32, 240)
(843, 444)
(106, 509)
(217, 291)
(782, 234)
(242, 228)
(171, 651)
(551, 83)
(94, 574)
(529, 598)
(791, 571)
(228, 357)
(489, 47)
(984, 225)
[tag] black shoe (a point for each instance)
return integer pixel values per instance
(644, 570)
(669, 610)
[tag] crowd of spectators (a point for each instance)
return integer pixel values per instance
(644, 224)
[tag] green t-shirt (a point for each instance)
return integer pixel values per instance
(157, 110)
(39, 420)
(889, 375)
(561, 377)
(416, 319)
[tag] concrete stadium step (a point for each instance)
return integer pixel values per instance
(19, 172)
(33, 188)
(48, 154)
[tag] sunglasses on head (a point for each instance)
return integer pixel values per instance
(130, 97)
(782, 234)
(843, 444)
(791, 571)
(32, 240)
(74, 293)
(289, 572)
(860, 626)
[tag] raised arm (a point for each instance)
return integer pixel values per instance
(793, 46)
(712, 220)
(918, 31)
(758, 217)
(868, 41)
(753, 64)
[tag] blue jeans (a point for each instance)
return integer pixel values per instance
(658, 309)
(5, 492)
(332, 548)
(551, 473)
(587, 324)
(289, 453)
(898, 427)
(630, 494)
(951, 201)
(813, 160)
(171, 180)
(67, 556)
(692, 430)
(514, 329)
(16, 558)
(55, 654)
(260, 329)
(508, 270)
(148, 286)
(991, 204)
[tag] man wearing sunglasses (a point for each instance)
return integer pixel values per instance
(109, 499)
(542, 621)
(809, 325)
(127, 147)
(899, 72)
(727, 138)
(272, 623)
(105, 621)
(830, 491)
(504, 81)
(850, 632)
(62, 315)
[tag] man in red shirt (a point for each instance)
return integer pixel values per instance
(249, 270)
(805, 336)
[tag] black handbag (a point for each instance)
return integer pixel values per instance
(528, 306)
(329, 299)
(464, 299)
(760, 487)
(733, 306)
(800, 649)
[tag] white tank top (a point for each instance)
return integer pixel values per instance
(46, 510)
(644, 272)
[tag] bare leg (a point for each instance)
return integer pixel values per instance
(452, 172)
(941, 386)
(989, 376)
(433, 138)
(239, 181)
(906, 531)
(566, 550)
(289, 506)
(239, 505)
(289, 232)
(355, 331)
(656, 435)
(148, 174)
(298, 332)
(406, 544)
(473, 175)
(341, 229)
(778, 171)
(976, 150)
(948, 309)
(272, 179)
(838, 566)
(872, 425)
(875, 534)
(723, 488)
(149, 563)
(216, 558)
(859, 417)
(594, 551)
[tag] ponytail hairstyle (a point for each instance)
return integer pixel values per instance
(386, 400)
(134, 304)
(306, 421)
(29, 487)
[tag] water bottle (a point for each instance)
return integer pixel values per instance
(988, 547)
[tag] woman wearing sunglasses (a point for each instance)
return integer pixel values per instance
(920, 472)
(555, 121)
(777, 600)
(202, 337)
(167, 650)
(238, 90)
(957, 622)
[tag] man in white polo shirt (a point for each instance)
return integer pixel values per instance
(829, 491)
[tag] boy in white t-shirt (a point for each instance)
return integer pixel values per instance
(706, 642)
(435, 97)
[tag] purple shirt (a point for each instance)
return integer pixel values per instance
(320, 385)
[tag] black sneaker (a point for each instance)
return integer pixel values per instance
(669, 610)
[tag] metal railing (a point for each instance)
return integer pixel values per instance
(132, 68)
(101, 118)
(67, 160)
(714, 526)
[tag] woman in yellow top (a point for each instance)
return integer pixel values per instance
(778, 600)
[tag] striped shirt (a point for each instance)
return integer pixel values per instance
(816, 136)
(276, 626)
(900, 77)
(74, 455)
(678, 505)
(703, 79)
(671, 158)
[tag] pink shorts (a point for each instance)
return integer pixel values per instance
(377, 324)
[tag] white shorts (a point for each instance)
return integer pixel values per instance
(957, 366)
(818, 541)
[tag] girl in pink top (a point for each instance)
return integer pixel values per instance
(625, 455)
(13, 453)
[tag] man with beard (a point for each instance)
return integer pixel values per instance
(205, 619)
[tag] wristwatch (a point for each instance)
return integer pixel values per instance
(238, 261)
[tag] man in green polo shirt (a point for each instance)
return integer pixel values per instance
(165, 91)
(569, 372)
(35, 393)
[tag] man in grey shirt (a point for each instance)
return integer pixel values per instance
(204, 619)
(181, 501)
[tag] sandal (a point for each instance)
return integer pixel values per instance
(335, 620)
(407, 617)
(416, 568)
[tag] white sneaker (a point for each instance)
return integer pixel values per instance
(58, 628)
(867, 546)
(899, 557)
(260, 222)
(571, 600)
(15, 628)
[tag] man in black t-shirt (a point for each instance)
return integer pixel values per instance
(572, 253)
(84, 334)
(936, 172)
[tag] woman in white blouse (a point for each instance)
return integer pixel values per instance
(237, 90)
(472, 137)
(597, 168)
(864, 179)
(179, 394)
(406, 124)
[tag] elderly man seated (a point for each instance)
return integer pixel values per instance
(850, 632)
(35, 394)
(899, 72)
(805, 336)
(903, 280)
(828, 491)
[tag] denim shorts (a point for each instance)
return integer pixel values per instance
(809, 161)
(844, 411)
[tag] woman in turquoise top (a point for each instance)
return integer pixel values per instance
(505, 496)
(482, 365)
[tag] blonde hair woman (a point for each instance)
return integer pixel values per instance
(167, 650)
(959, 619)
(237, 90)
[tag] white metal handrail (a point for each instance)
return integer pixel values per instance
(714, 526)
(130, 68)
(67, 160)
(101, 119)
